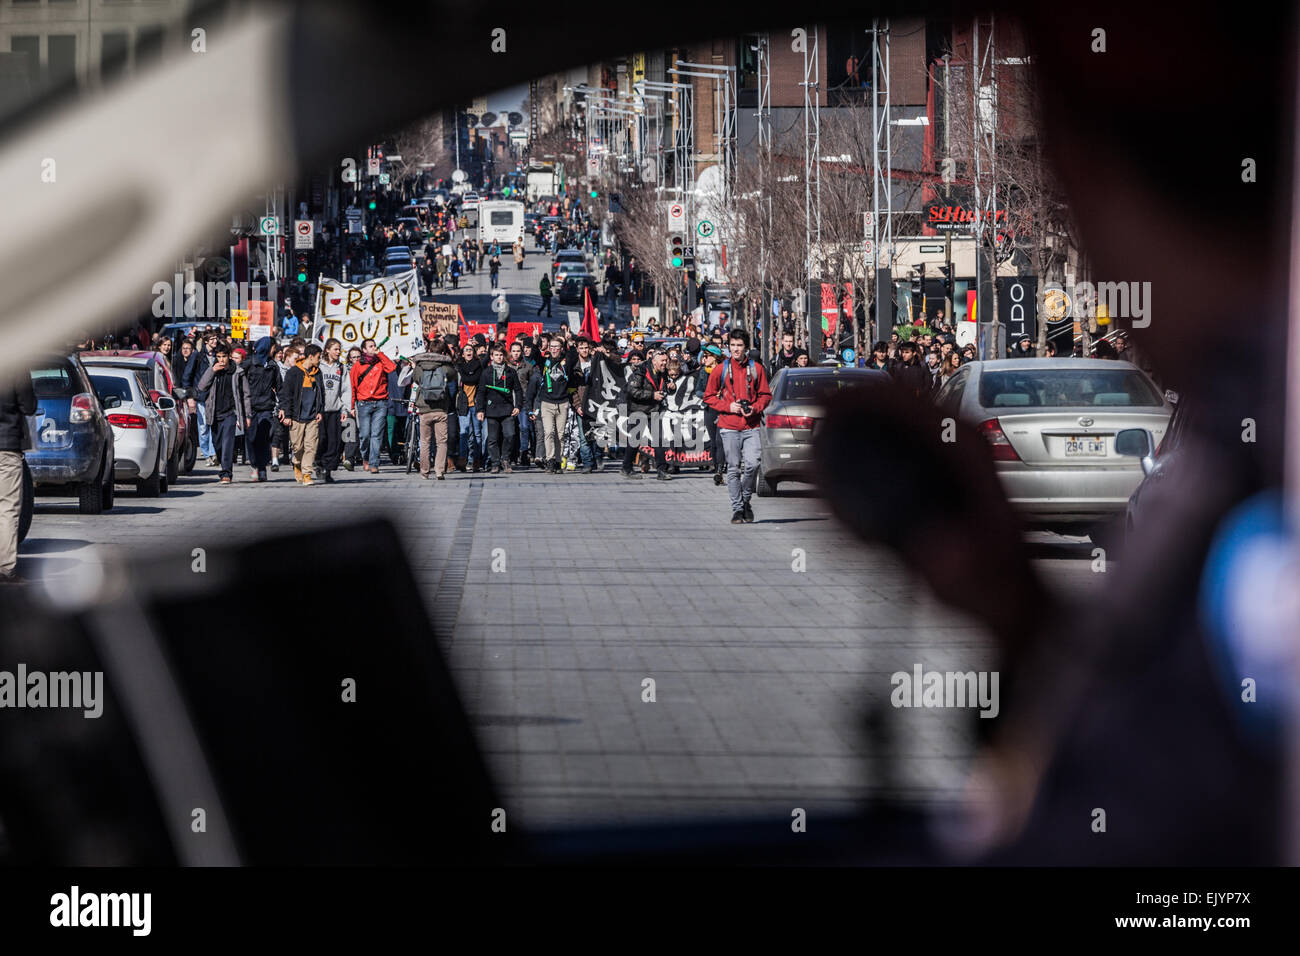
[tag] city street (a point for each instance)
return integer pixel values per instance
(763, 675)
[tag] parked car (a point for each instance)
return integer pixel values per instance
(572, 285)
(139, 432)
(570, 256)
(72, 442)
(163, 394)
(1051, 424)
(397, 254)
(1159, 460)
(789, 422)
(397, 268)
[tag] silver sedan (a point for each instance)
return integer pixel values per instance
(1051, 425)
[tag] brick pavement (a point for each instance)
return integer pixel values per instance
(763, 674)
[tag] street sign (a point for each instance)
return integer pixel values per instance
(593, 165)
(704, 229)
(849, 355)
(866, 223)
(373, 167)
(354, 221)
(383, 179)
(304, 234)
(459, 176)
(676, 216)
(270, 226)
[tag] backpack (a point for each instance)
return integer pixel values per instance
(434, 384)
(749, 376)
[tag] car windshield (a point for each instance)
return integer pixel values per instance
(108, 386)
(56, 380)
(1066, 388)
(803, 387)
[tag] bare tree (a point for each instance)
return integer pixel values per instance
(422, 147)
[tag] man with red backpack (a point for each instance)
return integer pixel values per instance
(739, 392)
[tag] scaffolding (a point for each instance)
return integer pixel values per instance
(812, 176)
(882, 175)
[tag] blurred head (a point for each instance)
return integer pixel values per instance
(368, 347)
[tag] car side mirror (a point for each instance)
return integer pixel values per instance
(1137, 443)
(165, 403)
(110, 401)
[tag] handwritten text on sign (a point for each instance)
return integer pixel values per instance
(386, 310)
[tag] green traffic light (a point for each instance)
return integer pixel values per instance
(372, 204)
(677, 262)
(302, 277)
(595, 194)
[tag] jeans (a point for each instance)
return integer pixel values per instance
(257, 439)
(742, 449)
(494, 280)
(587, 450)
(524, 446)
(471, 438)
(223, 436)
(205, 432)
(372, 416)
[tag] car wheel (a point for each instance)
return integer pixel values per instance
(90, 496)
(764, 488)
(28, 505)
(150, 487)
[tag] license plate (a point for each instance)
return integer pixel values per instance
(1085, 447)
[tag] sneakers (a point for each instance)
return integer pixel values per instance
(225, 481)
(748, 514)
(442, 477)
(718, 477)
(738, 517)
(252, 475)
(347, 464)
(261, 475)
(212, 461)
(297, 474)
(307, 479)
(425, 475)
(630, 474)
(592, 469)
(329, 478)
(275, 466)
(663, 476)
(509, 468)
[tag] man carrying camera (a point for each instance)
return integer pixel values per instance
(738, 390)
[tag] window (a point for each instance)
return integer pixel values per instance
(112, 56)
(149, 44)
(109, 386)
(848, 62)
(63, 60)
(57, 380)
(805, 387)
(30, 47)
(1067, 388)
(502, 217)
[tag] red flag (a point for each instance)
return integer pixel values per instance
(590, 318)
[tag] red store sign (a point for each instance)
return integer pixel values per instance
(953, 217)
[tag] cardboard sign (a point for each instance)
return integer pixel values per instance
(444, 317)
(261, 319)
(239, 323)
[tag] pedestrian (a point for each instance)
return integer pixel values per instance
(710, 356)
(370, 395)
(17, 402)
(525, 371)
(222, 409)
(454, 270)
(646, 391)
(738, 390)
(497, 403)
(433, 398)
(910, 373)
(195, 369)
(348, 432)
(300, 408)
(519, 255)
(549, 401)
(494, 269)
(544, 287)
(257, 383)
(470, 445)
(336, 394)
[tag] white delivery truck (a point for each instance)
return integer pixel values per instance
(542, 181)
(501, 221)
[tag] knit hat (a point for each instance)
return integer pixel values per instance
(693, 346)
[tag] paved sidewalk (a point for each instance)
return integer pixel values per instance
(762, 673)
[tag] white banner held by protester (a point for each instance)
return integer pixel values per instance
(386, 310)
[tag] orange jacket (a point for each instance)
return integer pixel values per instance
(370, 382)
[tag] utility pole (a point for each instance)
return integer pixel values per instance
(947, 195)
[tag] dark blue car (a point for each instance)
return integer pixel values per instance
(72, 441)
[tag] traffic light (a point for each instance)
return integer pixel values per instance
(677, 250)
(946, 270)
(595, 193)
(372, 204)
(301, 265)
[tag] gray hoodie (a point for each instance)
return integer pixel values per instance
(336, 383)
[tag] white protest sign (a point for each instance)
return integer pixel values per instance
(385, 309)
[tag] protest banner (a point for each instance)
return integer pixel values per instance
(679, 424)
(239, 323)
(440, 318)
(261, 318)
(470, 329)
(385, 309)
(516, 329)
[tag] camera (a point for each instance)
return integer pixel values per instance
(745, 406)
